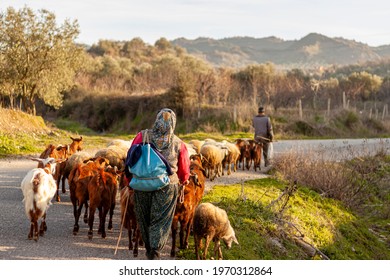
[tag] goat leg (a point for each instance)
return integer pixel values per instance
(103, 221)
(137, 242)
(129, 232)
(77, 213)
(187, 235)
(111, 215)
(31, 233)
(43, 226)
(183, 228)
(86, 212)
(100, 228)
(58, 199)
(90, 221)
(36, 232)
(63, 184)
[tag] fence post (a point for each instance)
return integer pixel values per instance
(384, 113)
(300, 109)
(328, 113)
(344, 101)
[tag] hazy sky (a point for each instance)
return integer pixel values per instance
(365, 21)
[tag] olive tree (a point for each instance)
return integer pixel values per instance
(361, 84)
(38, 58)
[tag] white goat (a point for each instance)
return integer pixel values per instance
(39, 187)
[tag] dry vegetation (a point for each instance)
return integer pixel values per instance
(356, 176)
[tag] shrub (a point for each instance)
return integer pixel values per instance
(356, 179)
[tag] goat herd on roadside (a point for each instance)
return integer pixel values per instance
(95, 179)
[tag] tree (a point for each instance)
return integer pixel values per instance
(361, 84)
(38, 58)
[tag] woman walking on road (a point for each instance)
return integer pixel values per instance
(155, 209)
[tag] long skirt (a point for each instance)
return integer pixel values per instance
(154, 212)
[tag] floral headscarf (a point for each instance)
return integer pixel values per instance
(163, 129)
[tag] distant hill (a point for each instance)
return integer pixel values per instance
(310, 51)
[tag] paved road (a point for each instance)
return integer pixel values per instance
(59, 242)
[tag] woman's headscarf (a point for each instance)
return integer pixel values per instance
(163, 129)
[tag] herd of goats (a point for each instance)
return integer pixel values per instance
(95, 179)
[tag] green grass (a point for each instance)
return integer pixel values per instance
(73, 127)
(17, 144)
(216, 136)
(325, 223)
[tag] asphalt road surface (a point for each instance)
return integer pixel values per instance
(59, 243)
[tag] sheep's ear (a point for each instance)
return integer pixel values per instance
(235, 240)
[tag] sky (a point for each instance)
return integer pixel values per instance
(365, 21)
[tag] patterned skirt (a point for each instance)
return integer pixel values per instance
(154, 212)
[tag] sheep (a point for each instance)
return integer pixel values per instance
(184, 212)
(191, 150)
(231, 158)
(122, 144)
(212, 223)
(39, 187)
(196, 144)
(212, 157)
(74, 160)
(115, 155)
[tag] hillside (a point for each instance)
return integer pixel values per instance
(14, 122)
(310, 51)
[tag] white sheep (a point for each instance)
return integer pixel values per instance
(212, 157)
(39, 188)
(122, 145)
(196, 144)
(212, 223)
(74, 160)
(232, 157)
(116, 155)
(191, 150)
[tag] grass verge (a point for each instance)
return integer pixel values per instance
(309, 224)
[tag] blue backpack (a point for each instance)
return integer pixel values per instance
(150, 171)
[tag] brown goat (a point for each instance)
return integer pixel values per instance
(256, 153)
(245, 153)
(52, 151)
(79, 179)
(129, 219)
(61, 152)
(184, 213)
(60, 176)
(102, 189)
